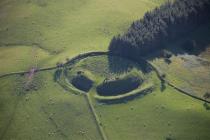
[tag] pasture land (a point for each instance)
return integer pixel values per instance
(155, 116)
(48, 112)
(63, 28)
(162, 114)
(40, 33)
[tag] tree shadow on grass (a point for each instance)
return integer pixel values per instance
(57, 74)
(121, 65)
(206, 106)
(193, 43)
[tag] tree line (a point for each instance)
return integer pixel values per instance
(164, 24)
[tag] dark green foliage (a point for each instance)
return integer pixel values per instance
(82, 82)
(206, 95)
(166, 54)
(169, 138)
(118, 86)
(164, 24)
(207, 106)
(189, 45)
(163, 85)
(57, 74)
(163, 76)
(59, 64)
(167, 60)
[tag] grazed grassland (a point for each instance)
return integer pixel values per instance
(64, 28)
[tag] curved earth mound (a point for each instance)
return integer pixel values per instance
(106, 75)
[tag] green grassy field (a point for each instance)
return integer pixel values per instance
(63, 28)
(50, 112)
(40, 33)
(18, 58)
(157, 116)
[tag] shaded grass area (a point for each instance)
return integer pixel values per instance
(159, 115)
(198, 41)
(187, 69)
(64, 28)
(104, 66)
(82, 73)
(82, 82)
(102, 77)
(120, 85)
(123, 98)
(47, 113)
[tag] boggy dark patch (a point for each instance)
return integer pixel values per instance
(82, 82)
(118, 87)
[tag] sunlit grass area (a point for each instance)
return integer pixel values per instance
(48, 112)
(65, 28)
(96, 96)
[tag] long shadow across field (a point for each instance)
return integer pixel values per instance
(194, 43)
(119, 66)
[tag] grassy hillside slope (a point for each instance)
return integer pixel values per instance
(49, 112)
(64, 28)
(43, 32)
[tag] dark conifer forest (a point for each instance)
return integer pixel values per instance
(167, 23)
